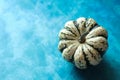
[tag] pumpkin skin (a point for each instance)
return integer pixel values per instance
(83, 42)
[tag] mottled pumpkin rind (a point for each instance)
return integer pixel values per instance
(83, 42)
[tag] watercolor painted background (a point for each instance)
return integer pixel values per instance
(29, 38)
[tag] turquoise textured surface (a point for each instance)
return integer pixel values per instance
(29, 39)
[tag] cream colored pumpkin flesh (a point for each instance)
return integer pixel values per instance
(83, 42)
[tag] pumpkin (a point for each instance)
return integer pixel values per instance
(83, 42)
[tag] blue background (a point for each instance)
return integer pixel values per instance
(29, 39)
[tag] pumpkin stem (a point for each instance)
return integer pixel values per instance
(82, 38)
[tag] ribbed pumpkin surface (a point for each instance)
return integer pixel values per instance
(83, 42)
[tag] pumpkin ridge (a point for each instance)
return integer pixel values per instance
(98, 36)
(98, 31)
(92, 54)
(90, 23)
(95, 26)
(81, 26)
(86, 59)
(77, 61)
(68, 49)
(100, 52)
(101, 41)
(71, 60)
(62, 49)
(67, 34)
(65, 43)
(66, 37)
(67, 28)
(76, 25)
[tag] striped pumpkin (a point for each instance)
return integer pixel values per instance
(83, 42)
